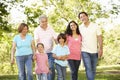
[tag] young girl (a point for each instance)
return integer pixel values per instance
(60, 53)
(41, 58)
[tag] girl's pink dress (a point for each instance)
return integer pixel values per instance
(41, 63)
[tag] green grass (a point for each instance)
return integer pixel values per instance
(104, 73)
(99, 76)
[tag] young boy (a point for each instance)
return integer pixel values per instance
(60, 53)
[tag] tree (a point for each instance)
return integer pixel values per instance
(33, 14)
(3, 18)
(111, 47)
(62, 11)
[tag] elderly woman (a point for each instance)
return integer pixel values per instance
(23, 46)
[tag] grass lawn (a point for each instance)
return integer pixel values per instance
(81, 77)
(111, 73)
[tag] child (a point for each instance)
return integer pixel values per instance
(60, 53)
(42, 67)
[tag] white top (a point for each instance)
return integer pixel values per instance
(46, 37)
(89, 37)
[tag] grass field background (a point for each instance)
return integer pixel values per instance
(103, 73)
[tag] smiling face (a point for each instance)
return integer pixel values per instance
(40, 48)
(73, 26)
(83, 17)
(61, 40)
(43, 23)
(24, 30)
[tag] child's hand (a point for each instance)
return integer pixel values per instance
(58, 57)
(50, 71)
(63, 58)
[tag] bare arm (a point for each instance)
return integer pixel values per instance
(64, 57)
(100, 42)
(48, 66)
(60, 57)
(13, 52)
(33, 46)
(56, 42)
(36, 41)
(34, 57)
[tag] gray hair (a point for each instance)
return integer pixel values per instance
(42, 16)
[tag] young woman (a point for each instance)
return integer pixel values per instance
(74, 44)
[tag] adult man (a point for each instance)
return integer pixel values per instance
(91, 37)
(45, 34)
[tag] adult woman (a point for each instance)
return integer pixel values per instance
(74, 44)
(23, 44)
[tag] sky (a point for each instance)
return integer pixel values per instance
(17, 16)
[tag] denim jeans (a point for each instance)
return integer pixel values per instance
(42, 76)
(90, 62)
(24, 64)
(74, 67)
(61, 72)
(51, 75)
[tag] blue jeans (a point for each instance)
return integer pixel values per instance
(42, 76)
(74, 67)
(51, 76)
(24, 64)
(61, 72)
(90, 62)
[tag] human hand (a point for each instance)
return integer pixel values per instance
(49, 71)
(100, 53)
(12, 61)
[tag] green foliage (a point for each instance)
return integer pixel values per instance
(65, 11)
(7, 68)
(3, 18)
(5, 48)
(33, 13)
(111, 48)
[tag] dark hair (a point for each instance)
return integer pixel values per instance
(40, 44)
(69, 31)
(61, 35)
(21, 26)
(82, 13)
